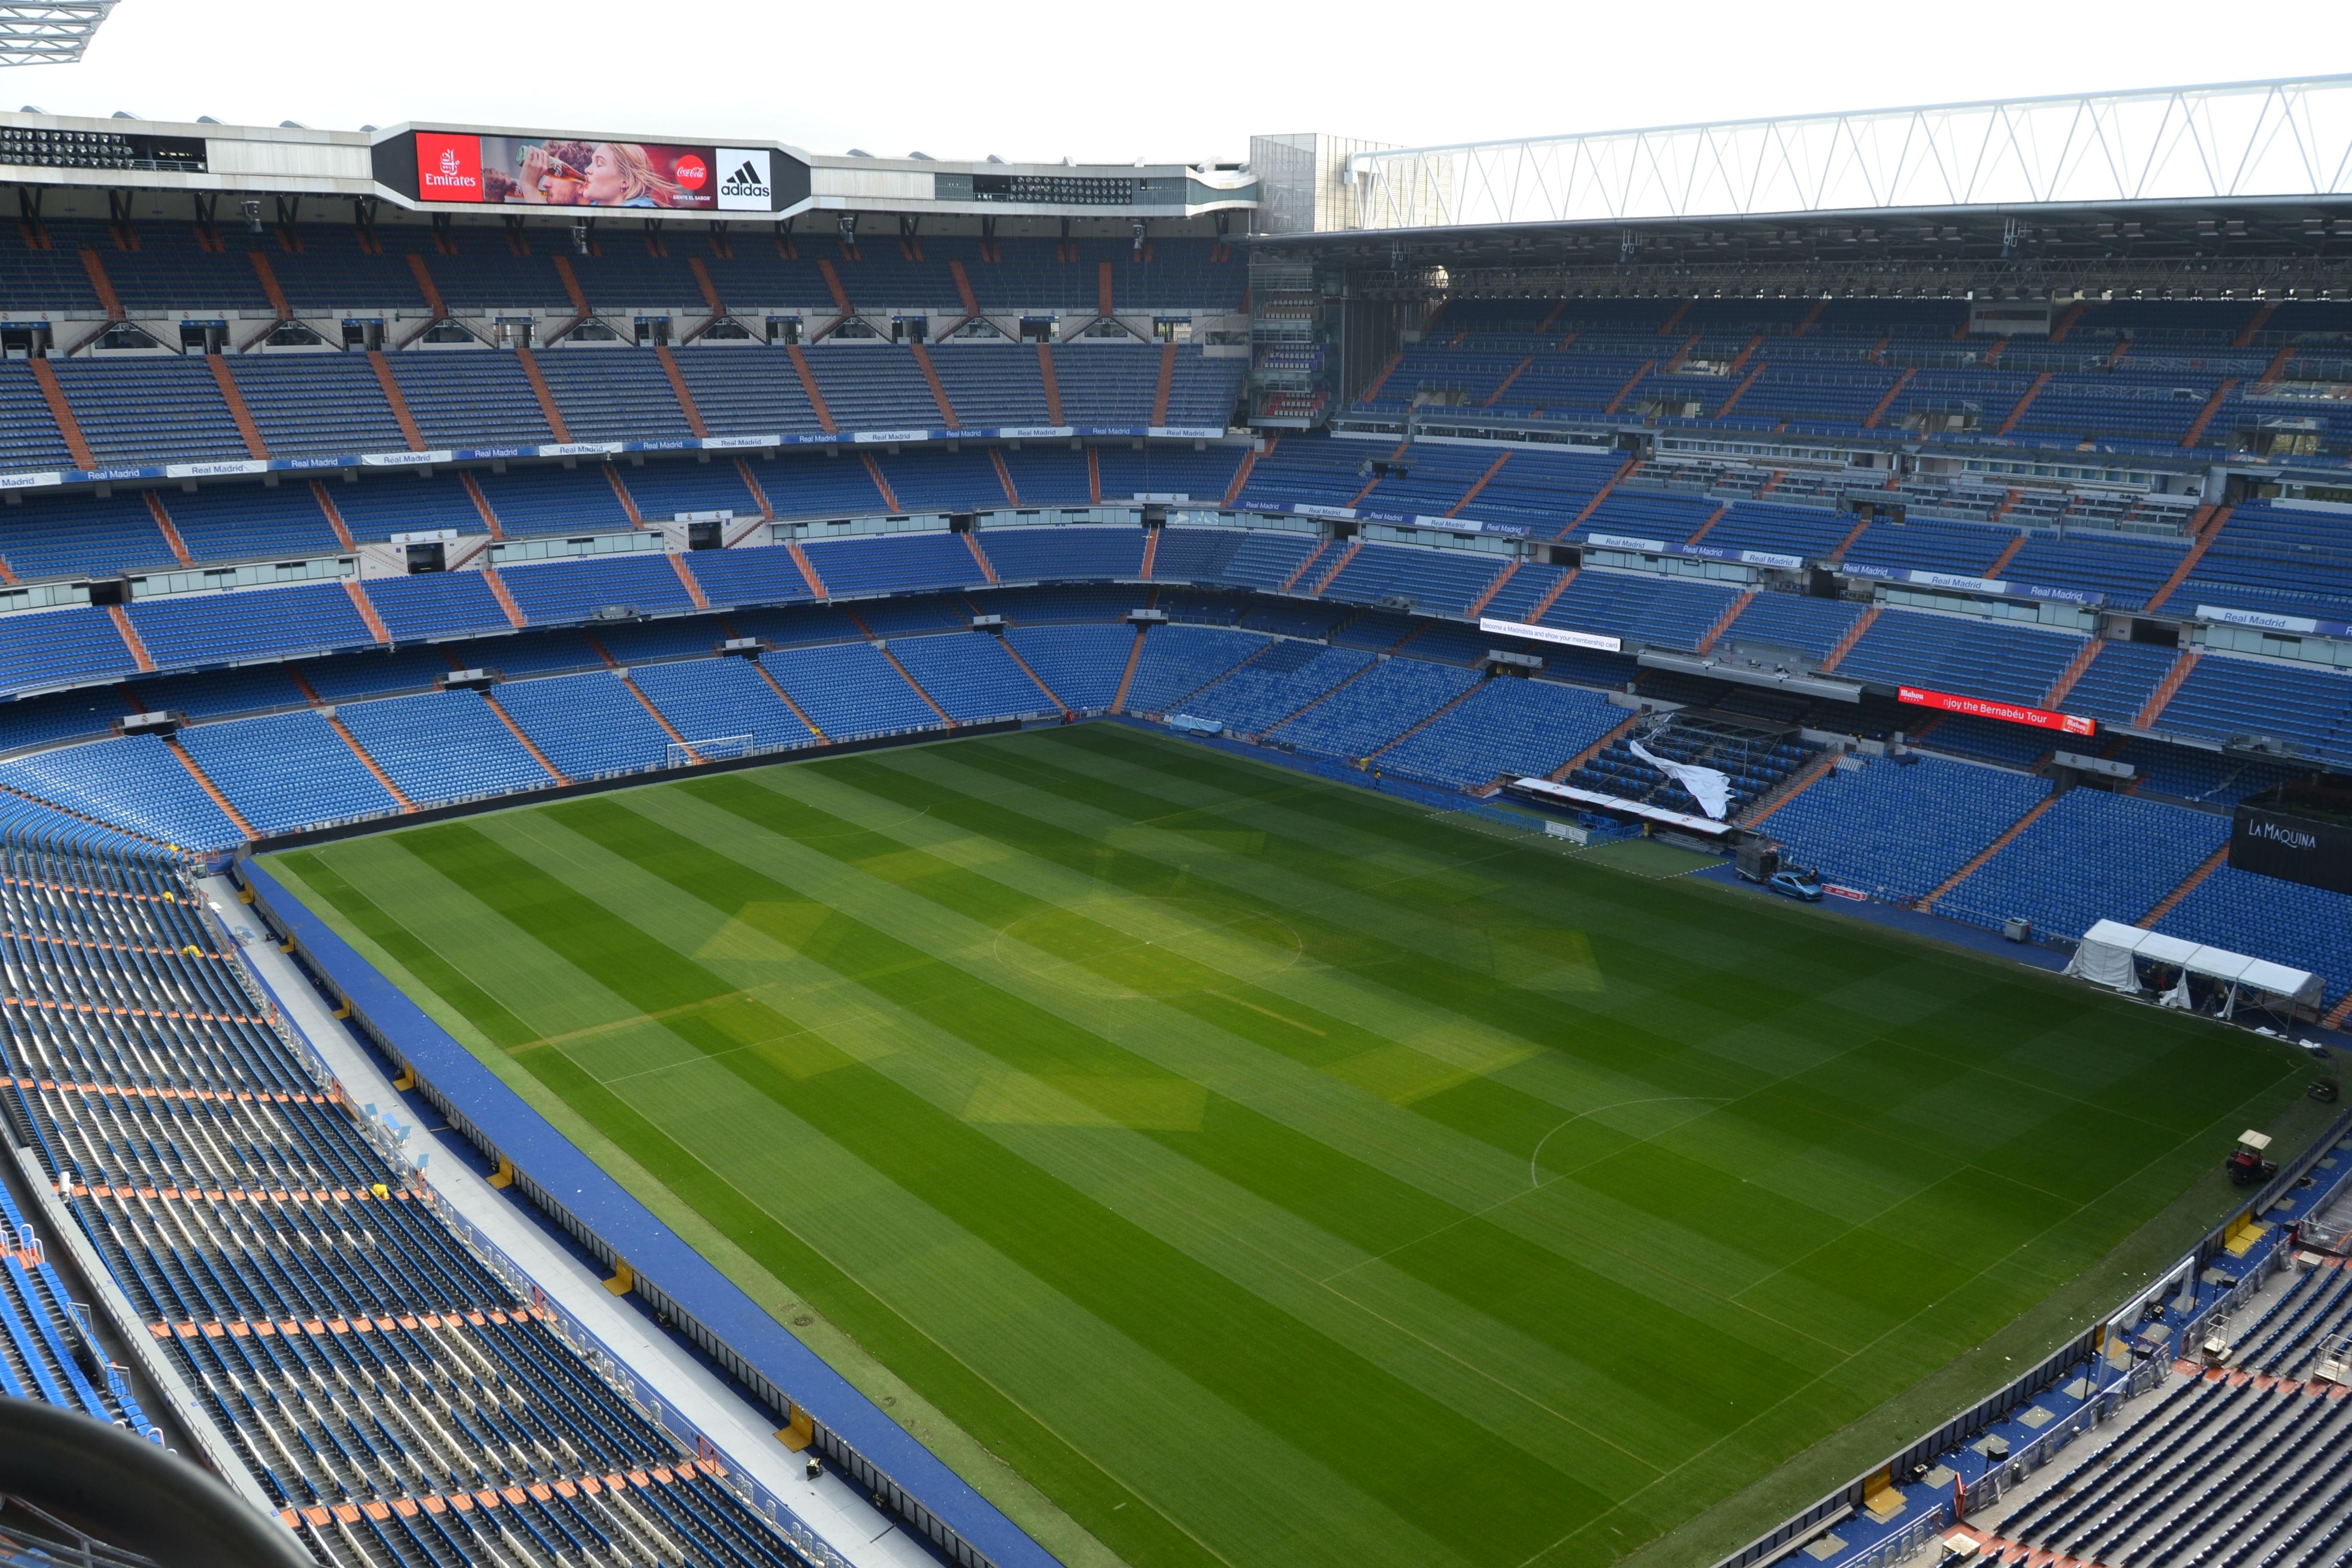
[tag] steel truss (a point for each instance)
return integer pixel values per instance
(2214, 278)
(2236, 141)
(49, 35)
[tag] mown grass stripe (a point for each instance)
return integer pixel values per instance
(1289, 1380)
(1430, 1341)
(1298, 1175)
(1861, 1072)
(2043, 1012)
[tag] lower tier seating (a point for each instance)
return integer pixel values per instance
(1897, 832)
(378, 1380)
(269, 749)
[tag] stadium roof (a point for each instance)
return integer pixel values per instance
(49, 35)
(2236, 143)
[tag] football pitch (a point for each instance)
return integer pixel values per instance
(1220, 1166)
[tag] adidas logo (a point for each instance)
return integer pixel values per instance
(746, 181)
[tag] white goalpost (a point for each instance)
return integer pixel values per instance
(717, 746)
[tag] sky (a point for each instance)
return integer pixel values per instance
(1038, 80)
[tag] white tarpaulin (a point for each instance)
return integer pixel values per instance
(2107, 951)
(1544, 789)
(1708, 786)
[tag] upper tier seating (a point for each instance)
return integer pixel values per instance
(885, 564)
(612, 395)
(2282, 560)
(1875, 369)
(312, 405)
(150, 410)
(28, 435)
(469, 399)
(50, 647)
(747, 389)
(1063, 554)
(220, 629)
(1955, 654)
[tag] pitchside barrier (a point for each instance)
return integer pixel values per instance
(857, 1438)
(2107, 1384)
(611, 779)
(1430, 795)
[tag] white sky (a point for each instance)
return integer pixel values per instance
(1115, 80)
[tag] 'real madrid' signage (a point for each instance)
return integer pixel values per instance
(469, 168)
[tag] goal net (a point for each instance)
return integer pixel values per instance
(711, 749)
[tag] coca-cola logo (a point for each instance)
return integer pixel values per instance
(691, 172)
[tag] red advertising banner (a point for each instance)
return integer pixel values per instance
(448, 167)
(2007, 712)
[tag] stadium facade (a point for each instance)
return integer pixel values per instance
(1984, 541)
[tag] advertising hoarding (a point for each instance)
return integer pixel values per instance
(2278, 834)
(1495, 626)
(2007, 712)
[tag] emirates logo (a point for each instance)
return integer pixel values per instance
(450, 167)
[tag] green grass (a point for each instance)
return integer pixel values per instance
(1223, 1167)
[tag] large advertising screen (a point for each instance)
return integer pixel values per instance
(567, 171)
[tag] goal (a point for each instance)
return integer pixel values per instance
(683, 755)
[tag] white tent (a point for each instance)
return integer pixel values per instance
(2107, 952)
